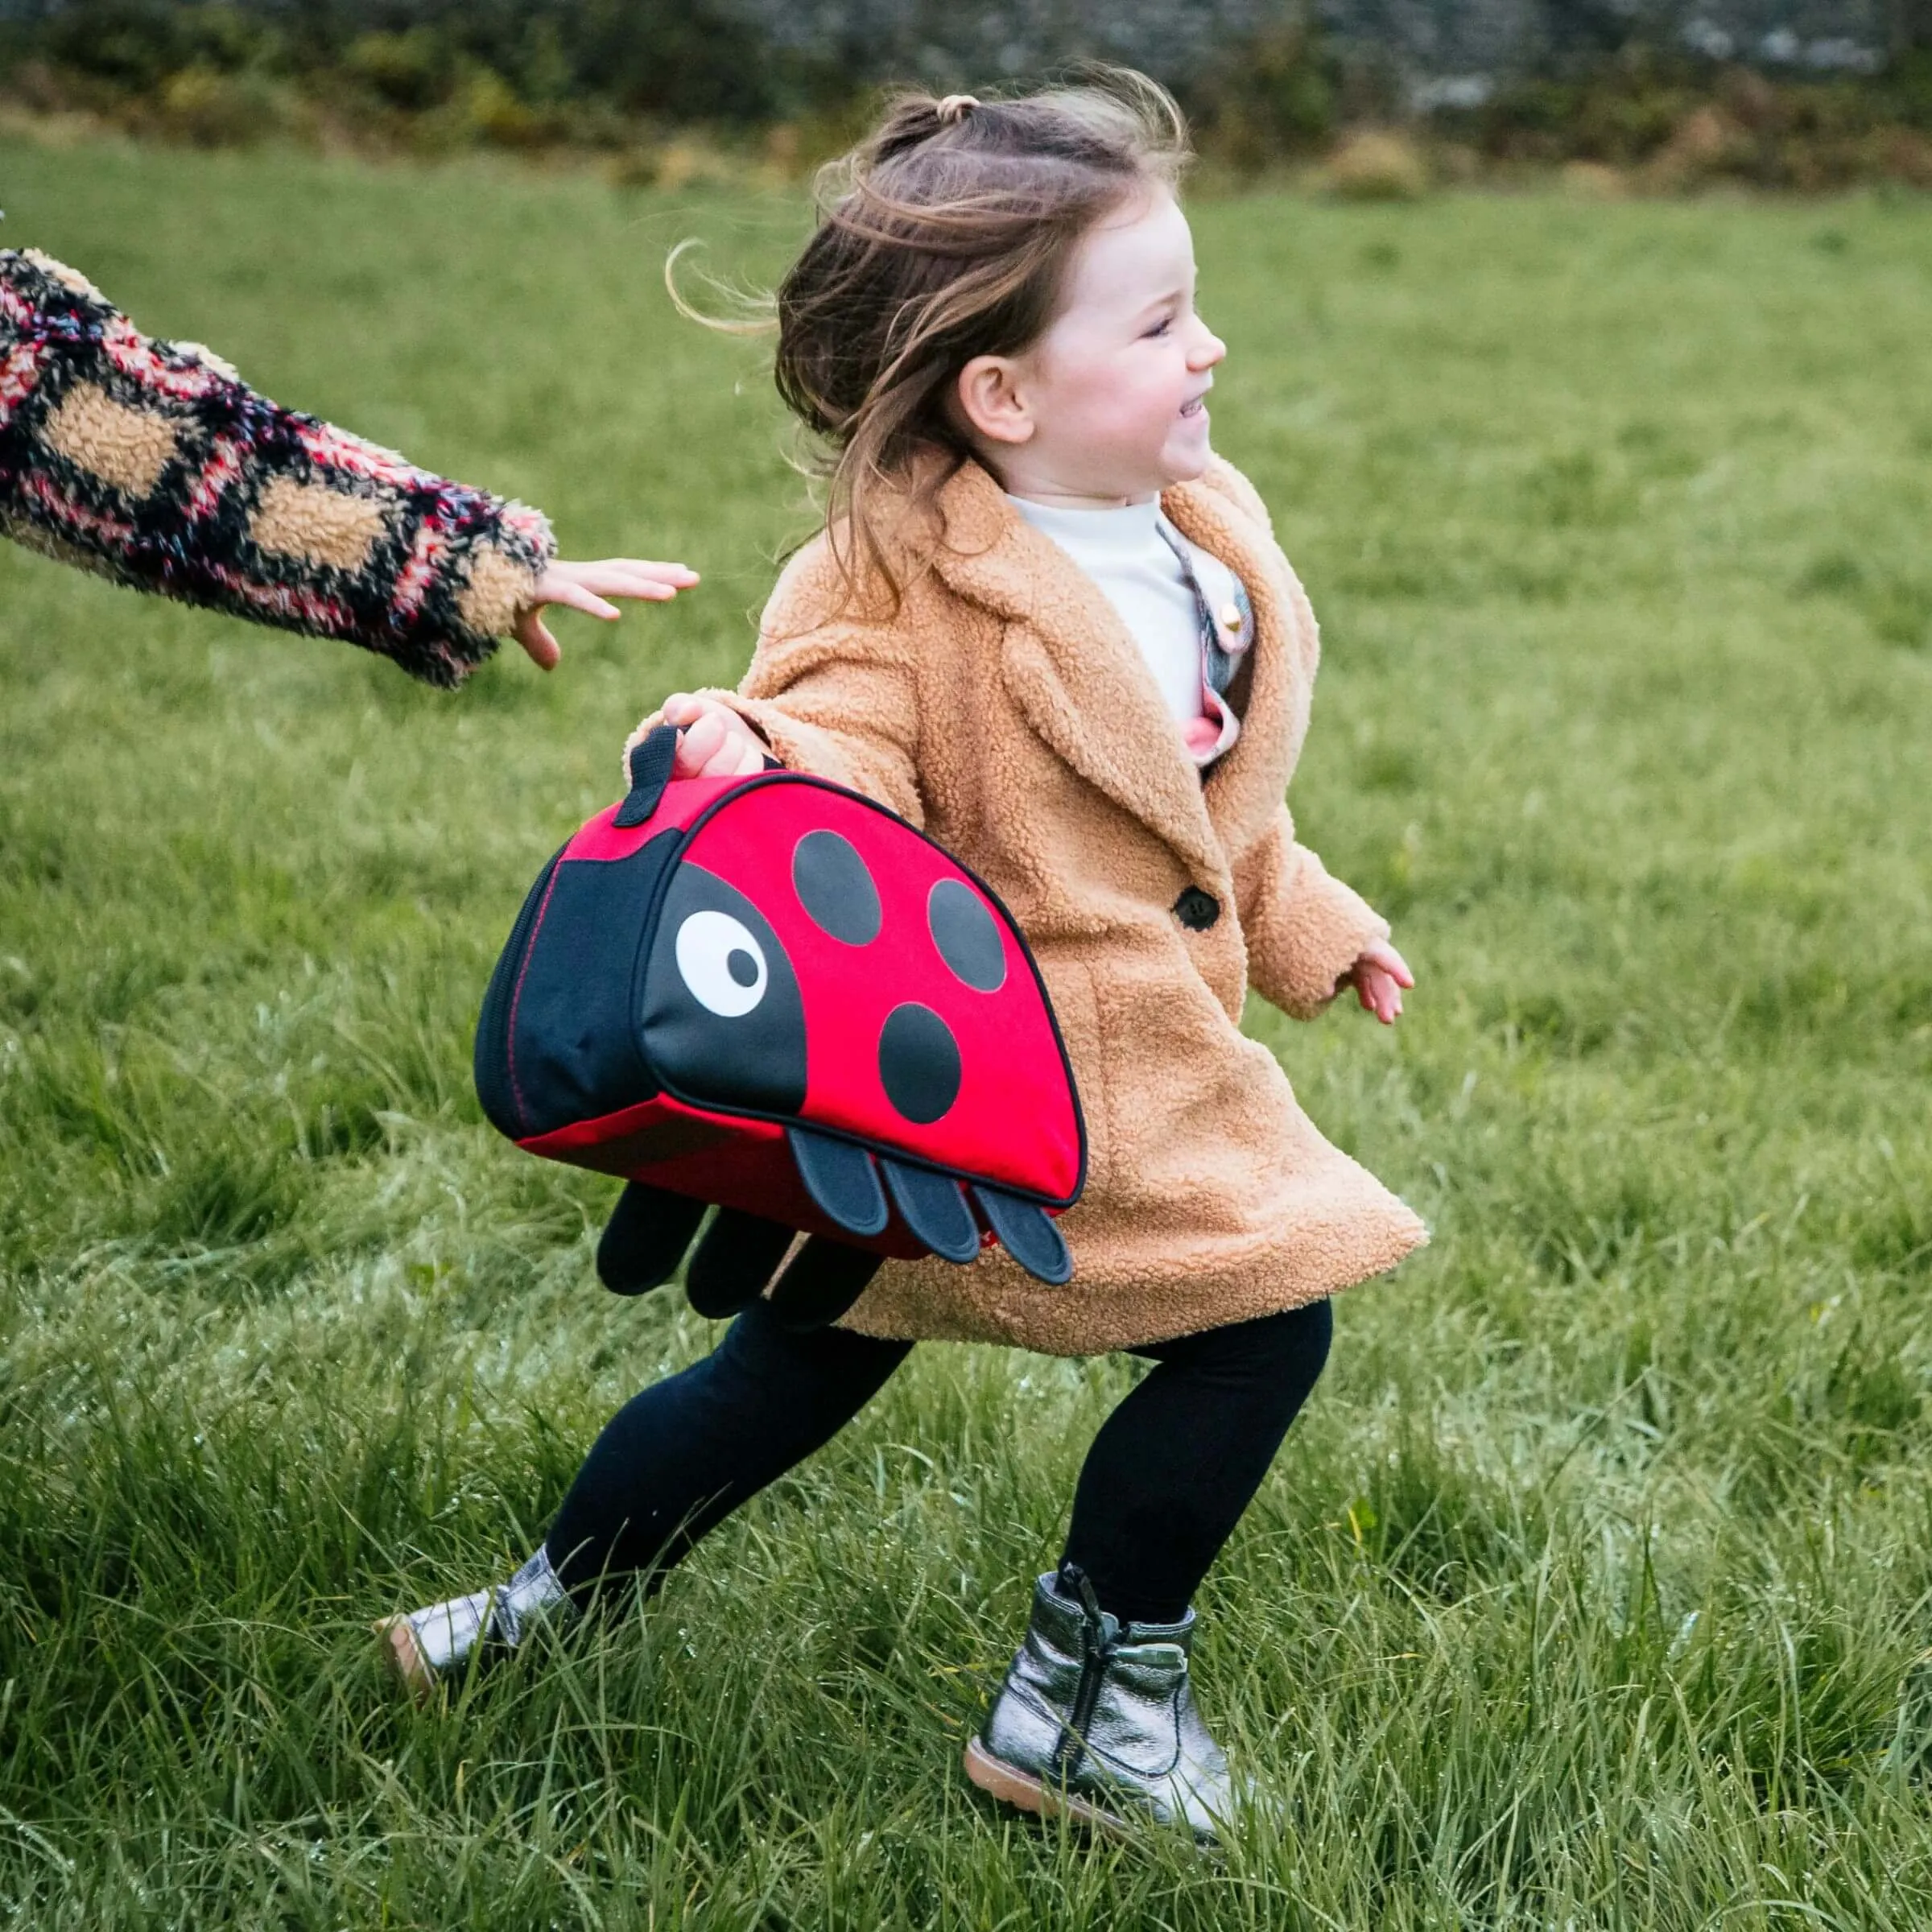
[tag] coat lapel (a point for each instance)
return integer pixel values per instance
(1070, 667)
(1244, 788)
(1082, 684)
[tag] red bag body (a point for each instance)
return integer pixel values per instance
(715, 977)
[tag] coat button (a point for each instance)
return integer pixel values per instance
(1196, 909)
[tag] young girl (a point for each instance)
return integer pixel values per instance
(1047, 626)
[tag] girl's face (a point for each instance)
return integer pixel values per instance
(1109, 406)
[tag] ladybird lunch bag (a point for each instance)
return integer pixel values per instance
(773, 994)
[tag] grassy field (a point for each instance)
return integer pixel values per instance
(1595, 1589)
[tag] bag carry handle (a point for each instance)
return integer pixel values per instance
(650, 764)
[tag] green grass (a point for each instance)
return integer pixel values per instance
(1595, 1589)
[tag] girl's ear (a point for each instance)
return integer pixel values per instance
(989, 399)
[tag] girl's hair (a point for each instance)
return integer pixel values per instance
(946, 235)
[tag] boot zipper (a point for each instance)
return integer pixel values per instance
(1096, 1654)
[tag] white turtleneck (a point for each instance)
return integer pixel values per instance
(1125, 553)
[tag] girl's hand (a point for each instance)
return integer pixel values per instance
(586, 586)
(713, 740)
(1378, 975)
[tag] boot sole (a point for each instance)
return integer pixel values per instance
(404, 1655)
(1013, 1786)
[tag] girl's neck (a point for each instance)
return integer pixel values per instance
(1035, 483)
(1067, 499)
(1109, 527)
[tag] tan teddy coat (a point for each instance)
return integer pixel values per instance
(1006, 710)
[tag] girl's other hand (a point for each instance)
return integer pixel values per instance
(713, 740)
(587, 587)
(1379, 975)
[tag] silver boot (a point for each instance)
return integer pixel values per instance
(1097, 1719)
(428, 1647)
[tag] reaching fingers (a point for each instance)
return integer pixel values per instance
(630, 577)
(589, 587)
(534, 635)
(673, 577)
(680, 576)
(580, 597)
(649, 590)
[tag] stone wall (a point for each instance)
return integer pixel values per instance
(1447, 52)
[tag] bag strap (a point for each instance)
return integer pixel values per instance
(650, 762)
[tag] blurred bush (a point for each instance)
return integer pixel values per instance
(413, 70)
(1378, 164)
(206, 108)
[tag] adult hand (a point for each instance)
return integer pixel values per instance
(588, 587)
(1379, 975)
(713, 740)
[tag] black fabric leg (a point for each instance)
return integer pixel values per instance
(1181, 1457)
(674, 1462)
(645, 1238)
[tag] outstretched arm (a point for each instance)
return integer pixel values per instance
(153, 463)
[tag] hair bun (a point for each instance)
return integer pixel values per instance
(955, 108)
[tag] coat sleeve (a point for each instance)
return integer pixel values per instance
(833, 695)
(1304, 929)
(152, 463)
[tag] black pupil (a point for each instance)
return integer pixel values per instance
(741, 966)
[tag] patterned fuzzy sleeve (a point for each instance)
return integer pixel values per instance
(155, 465)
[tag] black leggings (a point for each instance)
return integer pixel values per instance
(1163, 1486)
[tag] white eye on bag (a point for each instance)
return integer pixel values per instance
(721, 962)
